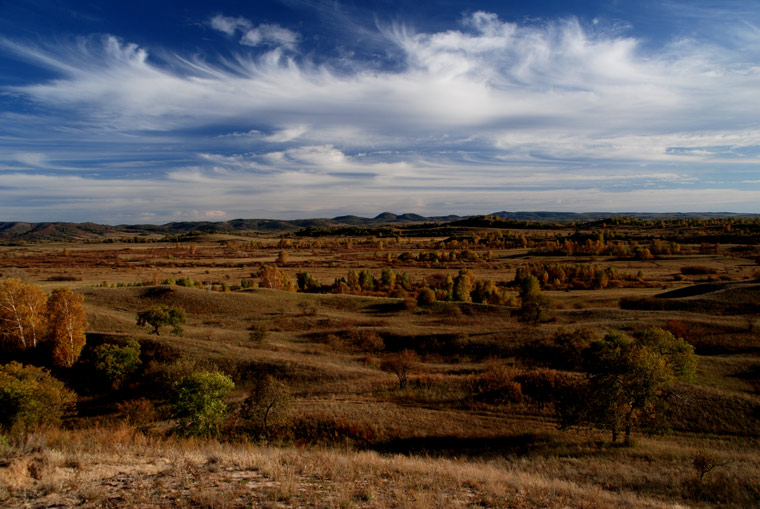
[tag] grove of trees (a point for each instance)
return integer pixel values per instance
(28, 320)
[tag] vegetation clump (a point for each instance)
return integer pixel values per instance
(30, 397)
(161, 315)
(115, 363)
(198, 403)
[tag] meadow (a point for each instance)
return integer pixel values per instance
(403, 367)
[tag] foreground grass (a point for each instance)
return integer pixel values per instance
(119, 467)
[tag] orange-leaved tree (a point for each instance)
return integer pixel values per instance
(66, 323)
(22, 308)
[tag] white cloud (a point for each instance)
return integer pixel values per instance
(34, 159)
(287, 134)
(229, 25)
(475, 115)
(265, 34)
(273, 35)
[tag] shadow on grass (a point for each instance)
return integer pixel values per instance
(481, 447)
(386, 308)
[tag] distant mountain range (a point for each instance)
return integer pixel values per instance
(62, 231)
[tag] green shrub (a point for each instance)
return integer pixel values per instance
(158, 316)
(198, 403)
(116, 363)
(31, 397)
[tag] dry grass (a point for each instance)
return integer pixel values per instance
(433, 443)
(119, 467)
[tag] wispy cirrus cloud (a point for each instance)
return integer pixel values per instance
(488, 109)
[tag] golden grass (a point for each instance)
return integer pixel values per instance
(120, 467)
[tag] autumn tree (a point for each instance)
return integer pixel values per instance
(401, 364)
(388, 279)
(66, 321)
(628, 378)
(366, 280)
(22, 314)
(463, 286)
(533, 304)
(266, 405)
(271, 277)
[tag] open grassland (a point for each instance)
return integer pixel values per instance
(453, 436)
(119, 467)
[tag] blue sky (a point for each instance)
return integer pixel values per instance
(149, 112)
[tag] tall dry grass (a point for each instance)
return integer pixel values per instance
(110, 467)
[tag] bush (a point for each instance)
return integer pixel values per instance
(198, 403)
(695, 270)
(115, 362)
(541, 386)
(158, 316)
(496, 384)
(138, 412)
(258, 333)
(563, 350)
(327, 429)
(643, 303)
(426, 297)
(31, 397)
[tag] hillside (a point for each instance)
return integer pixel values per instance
(62, 231)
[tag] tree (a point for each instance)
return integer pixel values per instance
(31, 397)
(366, 280)
(388, 279)
(22, 313)
(463, 286)
(271, 277)
(158, 316)
(533, 305)
(678, 354)
(307, 282)
(401, 364)
(198, 403)
(352, 280)
(116, 362)
(267, 404)
(66, 321)
(628, 378)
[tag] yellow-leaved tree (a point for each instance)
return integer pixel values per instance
(67, 320)
(22, 313)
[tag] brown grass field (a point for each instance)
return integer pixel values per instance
(432, 443)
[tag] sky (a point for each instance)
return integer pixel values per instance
(150, 112)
